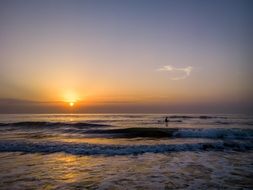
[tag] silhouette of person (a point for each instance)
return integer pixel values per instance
(166, 120)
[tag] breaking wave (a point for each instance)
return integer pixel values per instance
(131, 132)
(111, 150)
(214, 133)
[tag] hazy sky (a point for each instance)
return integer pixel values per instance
(126, 56)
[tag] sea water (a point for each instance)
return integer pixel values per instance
(126, 151)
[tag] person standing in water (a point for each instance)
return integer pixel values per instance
(166, 120)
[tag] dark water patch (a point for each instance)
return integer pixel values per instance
(223, 123)
(180, 117)
(171, 121)
(175, 121)
(233, 123)
(38, 135)
(73, 131)
(134, 116)
(3, 124)
(195, 117)
(137, 132)
(36, 124)
(160, 122)
(87, 125)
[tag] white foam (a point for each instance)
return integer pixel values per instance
(235, 133)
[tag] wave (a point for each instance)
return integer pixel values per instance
(154, 132)
(195, 117)
(34, 124)
(111, 150)
(214, 133)
(136, 132)
(232, 123)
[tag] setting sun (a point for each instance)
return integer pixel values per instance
(71, 104)
(71, 98)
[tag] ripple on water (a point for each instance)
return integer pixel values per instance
(173, 170)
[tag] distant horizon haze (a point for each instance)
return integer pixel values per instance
(10, 106)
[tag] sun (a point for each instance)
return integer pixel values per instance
(71, 104)
(71, 98)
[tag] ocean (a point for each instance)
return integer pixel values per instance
(126, 151)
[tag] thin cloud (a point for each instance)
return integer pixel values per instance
(185, 70)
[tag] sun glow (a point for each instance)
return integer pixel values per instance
(71, 104)
(71, 98)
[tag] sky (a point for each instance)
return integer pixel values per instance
(115, 56)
